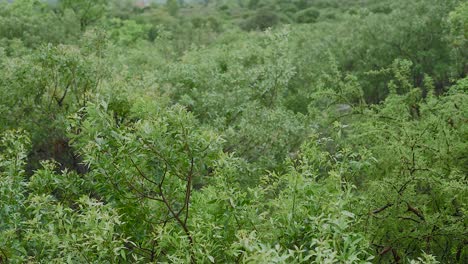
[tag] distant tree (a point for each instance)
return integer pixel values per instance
(458, 22)
(262, 20)
(33, 22)
(172, 7)
(302, 4)
(309, 15)
(253, 4)
(88, 11)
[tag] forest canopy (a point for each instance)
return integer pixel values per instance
(247, 131)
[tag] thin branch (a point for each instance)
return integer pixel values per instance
(378, 210)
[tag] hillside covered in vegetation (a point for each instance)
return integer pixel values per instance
(241, 131)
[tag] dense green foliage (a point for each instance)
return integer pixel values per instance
(248, 131)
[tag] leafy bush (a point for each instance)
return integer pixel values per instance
(261, 20)
(34, 23)
(309, 15)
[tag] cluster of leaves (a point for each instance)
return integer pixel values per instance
(46, 218)
(212, 132)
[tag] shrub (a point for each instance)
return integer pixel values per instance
(261, 20)
(307, 16)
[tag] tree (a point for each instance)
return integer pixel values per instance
(262, 19)
(88, 11)
(172, 7)
(458, 22)
(309, 15)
